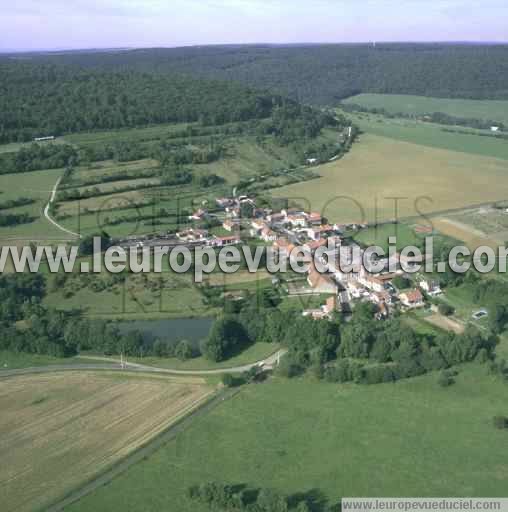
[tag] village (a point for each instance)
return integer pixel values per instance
(292, 228)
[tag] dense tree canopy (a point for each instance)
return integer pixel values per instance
(47, 100)
(324, 74)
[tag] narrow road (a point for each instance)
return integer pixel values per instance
(48, 216)
(269, 361)
(154, 444)
(115, 365)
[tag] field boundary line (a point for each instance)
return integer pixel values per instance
(141, 453)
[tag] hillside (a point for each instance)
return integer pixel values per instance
(325, 74)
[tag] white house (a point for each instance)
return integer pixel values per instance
(430, 287)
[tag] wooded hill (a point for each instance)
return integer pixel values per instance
(325, 74)
(38, 99)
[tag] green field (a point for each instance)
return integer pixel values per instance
(489, 110)
(361, 186)
(36, 185)
(412, 438)
(142, 296)
(252, 354)
(12, 360)
(433, 135)
(379, 236)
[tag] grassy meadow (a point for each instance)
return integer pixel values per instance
(420, 105)
(465, 140)
(57, 431)
(412, 438)
(361, 186)
(252, 354)
(36, 185)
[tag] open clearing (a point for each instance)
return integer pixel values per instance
(404, 439)
(418, 105)
(443, 322)
(57, 431)
(379, 169)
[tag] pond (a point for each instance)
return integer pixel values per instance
(192, 329)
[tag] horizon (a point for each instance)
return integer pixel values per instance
(127, 24)
(99, 49)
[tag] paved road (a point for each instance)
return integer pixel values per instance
(48, 216)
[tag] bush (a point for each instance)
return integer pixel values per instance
(288, 368)
(445, 379)
(446, 309)
(183, 350)
(501, 422)
(228, 380)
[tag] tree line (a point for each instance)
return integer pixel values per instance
(325, 74)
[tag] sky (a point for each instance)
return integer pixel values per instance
(73, 24)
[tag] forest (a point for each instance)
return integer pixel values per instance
(44, 99)
(324, 74)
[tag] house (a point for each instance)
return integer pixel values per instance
(492, 129)
(432, 288)
(326, 311)
(267, 235)
(412, 299)
(283, 246)
(322, 283)
(258, 224)
(297, 220)
(276, 218)
(224, 202)
(355, 289)
(234, 211)
(381, 297)
(198, 214)
(192, 235)
(371, 282)
(223, 241)
(231, 225)
(314, 245)
(316, 232)
(314, 218)
(312, 161)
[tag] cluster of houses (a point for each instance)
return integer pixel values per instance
(292, 228)
(361, 285)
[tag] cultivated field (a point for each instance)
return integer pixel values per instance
(443, 322)
(464, 140)
(471, 236)
(420, 105)
(411, 438)
(362, 185)
(57, 431)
